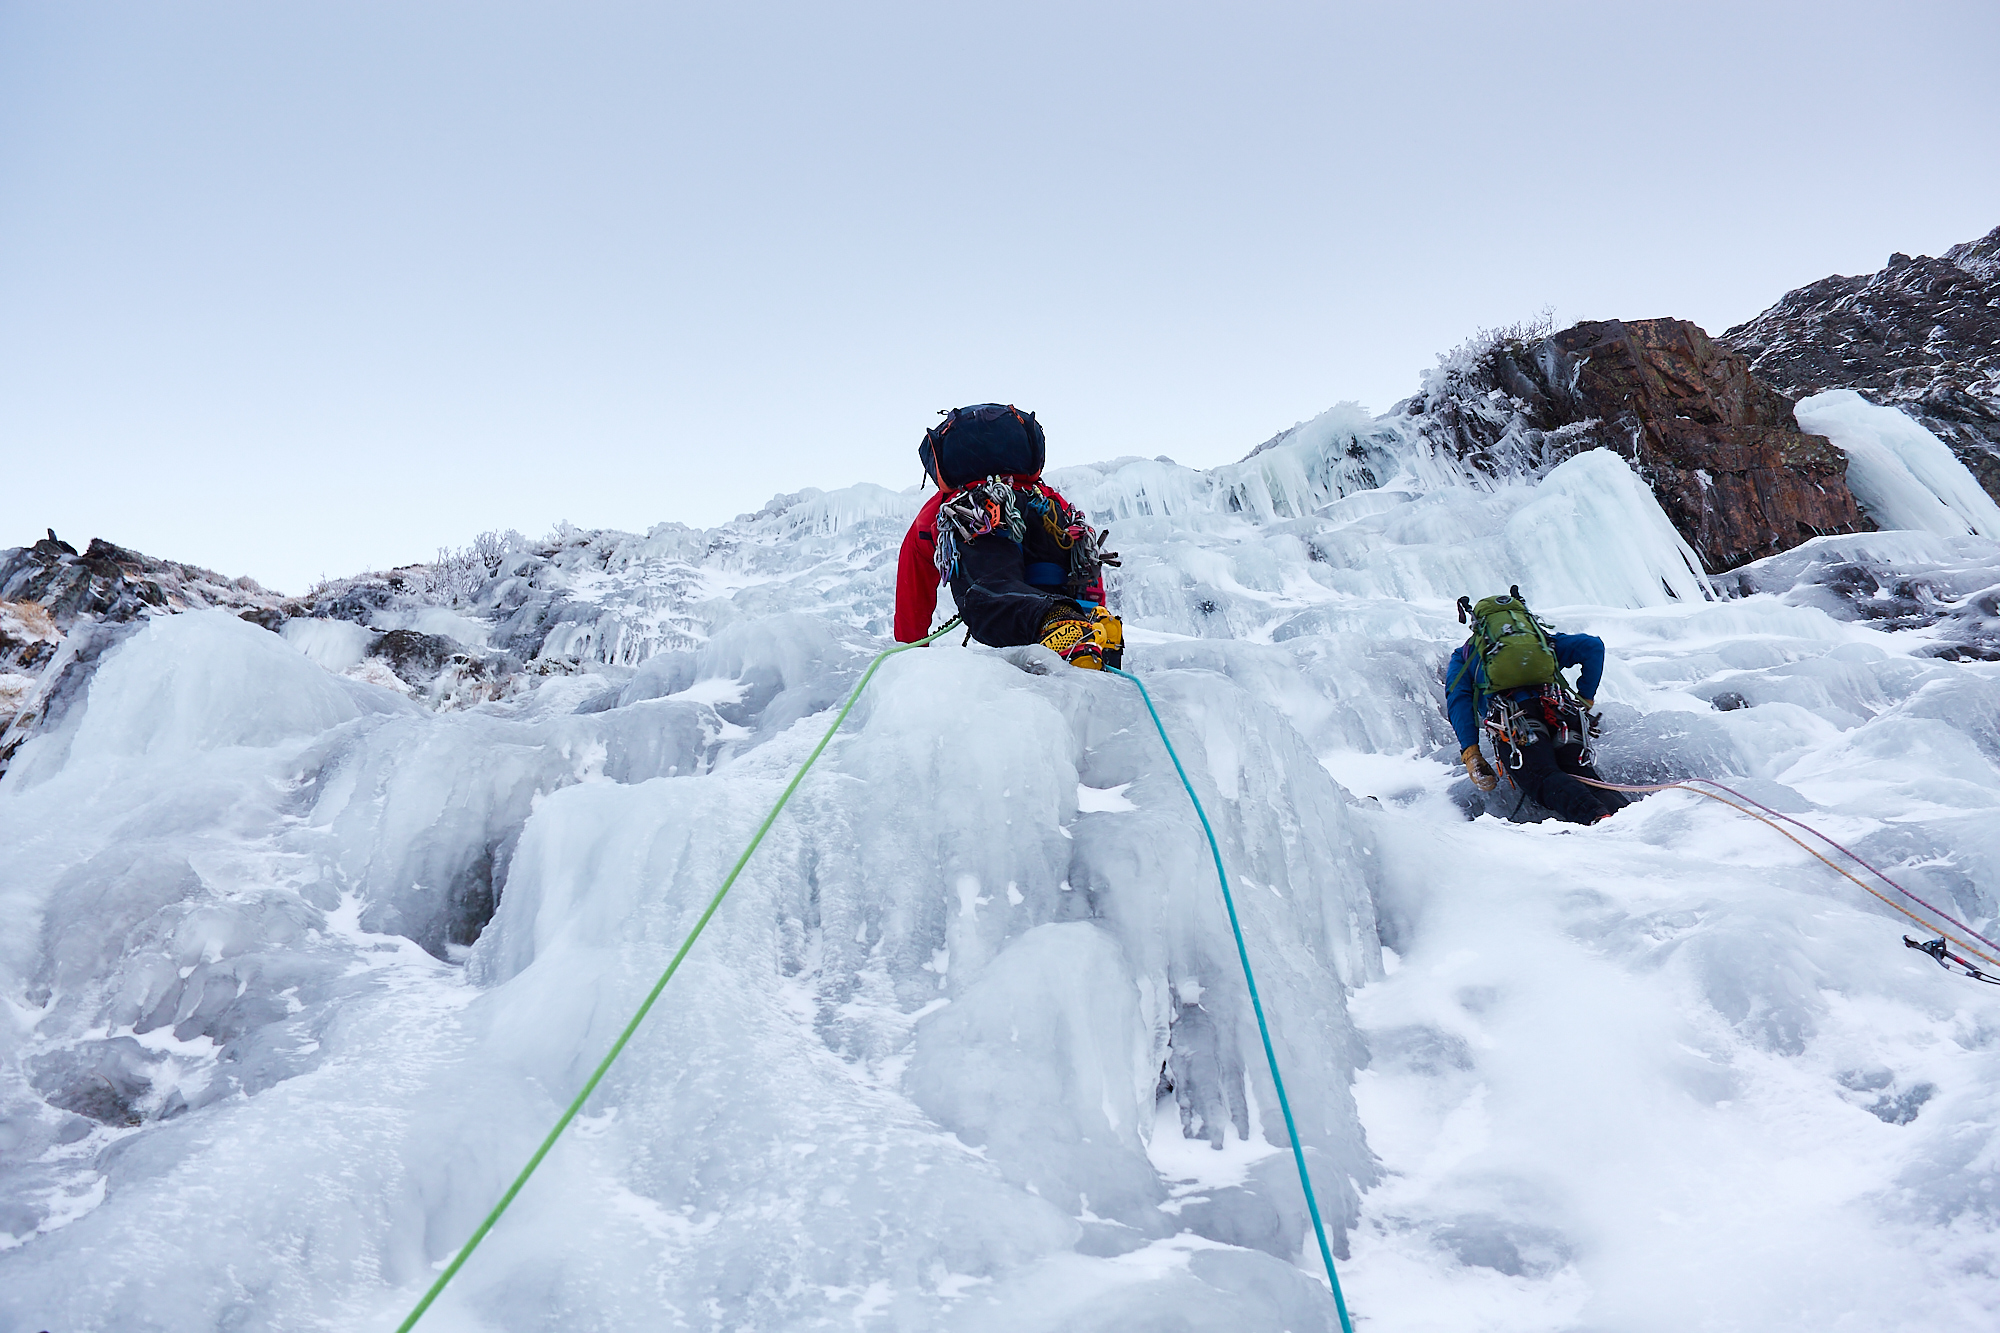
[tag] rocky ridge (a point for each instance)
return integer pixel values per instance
(1720, 449)
(1942, 591)
(60, 611)
(1708, 423)
(1922, 335)
(474, 626)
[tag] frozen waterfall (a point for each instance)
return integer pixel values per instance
(298, 967)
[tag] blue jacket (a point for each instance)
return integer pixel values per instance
(1466, 692)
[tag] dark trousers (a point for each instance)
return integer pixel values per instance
(1548, 772)
(1000, 606)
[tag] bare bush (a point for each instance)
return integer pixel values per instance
(454, 577)
(490, 548)
(1469, 363)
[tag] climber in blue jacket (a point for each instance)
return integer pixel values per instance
(1541, 730)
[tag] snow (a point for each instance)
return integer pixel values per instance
(337, 645)
(1104, 798)
(200, 681)
(298, 970)
(1625, 1064)
(1902, 476)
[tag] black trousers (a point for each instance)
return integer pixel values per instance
(1548, 772)
(1000, 606)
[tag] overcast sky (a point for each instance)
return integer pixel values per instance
(307, 288)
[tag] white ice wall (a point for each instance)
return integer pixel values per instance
(943, 998)
(1902, 476)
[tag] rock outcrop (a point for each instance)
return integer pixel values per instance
(109, 582)
(1922, 335)
(1721, 450)
(59, 610)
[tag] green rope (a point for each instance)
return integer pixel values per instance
(604, 1065)
(1263, 1029)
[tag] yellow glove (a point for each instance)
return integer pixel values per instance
(1476, 768)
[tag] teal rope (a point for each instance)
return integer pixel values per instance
(1263, 1028)
(618, 1046)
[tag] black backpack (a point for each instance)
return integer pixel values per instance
(985, 440)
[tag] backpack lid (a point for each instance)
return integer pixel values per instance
(1512, 645)
(983, 440)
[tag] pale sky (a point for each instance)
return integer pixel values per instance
(309, 288)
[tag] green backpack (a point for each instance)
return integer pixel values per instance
(1513, 645)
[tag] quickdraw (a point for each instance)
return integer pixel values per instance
(983, 507)
(1945, 958)
(1067, 527)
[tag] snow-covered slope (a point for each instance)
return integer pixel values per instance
(300, 964)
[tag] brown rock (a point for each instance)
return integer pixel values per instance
(1721, 450)
(50, 595)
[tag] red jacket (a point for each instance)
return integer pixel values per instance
(917, 574)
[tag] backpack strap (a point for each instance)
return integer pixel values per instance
(934, 437)
(1029, 429)
(1479, 695)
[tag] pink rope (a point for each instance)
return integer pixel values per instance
(1854, 856)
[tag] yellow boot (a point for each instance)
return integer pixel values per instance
(1073, 639)
(1109, 632)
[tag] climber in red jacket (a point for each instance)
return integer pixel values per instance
(1023, 565)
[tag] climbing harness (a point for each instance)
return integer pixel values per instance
(1519, 719)
(1256, 1004)
(1067, 526)
(1775, 818)
(618, 1046)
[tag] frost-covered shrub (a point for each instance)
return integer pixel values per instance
(1479, 406)
(456, 576)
